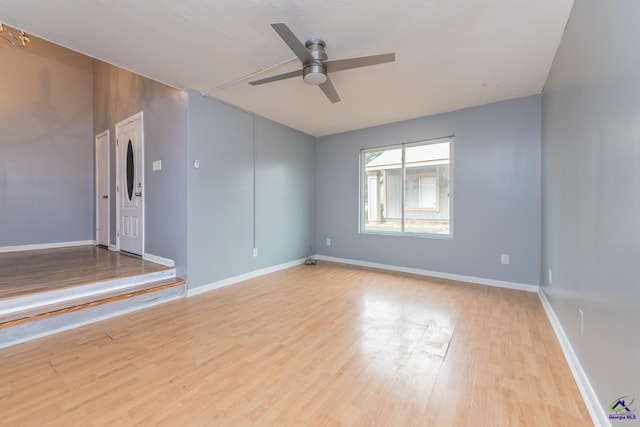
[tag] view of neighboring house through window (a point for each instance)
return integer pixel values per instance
(406, 189)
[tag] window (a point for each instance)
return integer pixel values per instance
(406, 189)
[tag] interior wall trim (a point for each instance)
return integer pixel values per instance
(38, 246)
(597, 413)
(438, 274)
(241, 278)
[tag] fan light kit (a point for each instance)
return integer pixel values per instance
(315, 66)
(315, 73)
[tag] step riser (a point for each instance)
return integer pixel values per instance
(81, 300)
(32, 302)
(68, 320)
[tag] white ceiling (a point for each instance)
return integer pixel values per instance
(450, 54)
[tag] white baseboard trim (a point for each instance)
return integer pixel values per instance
(597, 413)
(113, 248)
(38, 246)
(159, 260)
(241, 278)
(429, 273)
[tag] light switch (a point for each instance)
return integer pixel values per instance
(196, 164)
(157, 165)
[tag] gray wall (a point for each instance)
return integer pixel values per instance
(591, 204)
(496, 187)
(221, 192)
(46, 145)
(285, 193)
(119, 94)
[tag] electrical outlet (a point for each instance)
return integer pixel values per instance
(581, 319)
(328, 242)
(255, 251)
(550, 276)
(504, 259)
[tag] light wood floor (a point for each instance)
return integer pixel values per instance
(29, 272)
(316, 345)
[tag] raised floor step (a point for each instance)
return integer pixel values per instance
(20, 323)
(22, 315)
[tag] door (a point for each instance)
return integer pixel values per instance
(102, 188)
(130, 188)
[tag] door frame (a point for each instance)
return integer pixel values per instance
(104, 134)
(119, 154)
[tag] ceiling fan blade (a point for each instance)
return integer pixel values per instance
(296, 73)
(293, 42)
(363, 61)
(329, 90)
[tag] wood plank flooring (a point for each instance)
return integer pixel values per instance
(29, 272)
(322, 345)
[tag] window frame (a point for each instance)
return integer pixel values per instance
(362, 182)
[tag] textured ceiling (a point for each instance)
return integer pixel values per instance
(450, 54)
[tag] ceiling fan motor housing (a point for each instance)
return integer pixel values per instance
(315, 73)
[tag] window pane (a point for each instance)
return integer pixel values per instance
(412, 193)
(383, 191)
(130, 170)
(427, 188)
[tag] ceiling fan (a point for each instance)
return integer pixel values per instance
(315, 65)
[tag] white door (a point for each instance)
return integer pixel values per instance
(102, 188)
(129, 143)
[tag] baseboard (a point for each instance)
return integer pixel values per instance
(159, 260)
(597, 413)
(241, 278)
(429, 273)
(38, 246)
(113, 248)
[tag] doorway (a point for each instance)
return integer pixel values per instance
(102, 188)
(130, 185)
